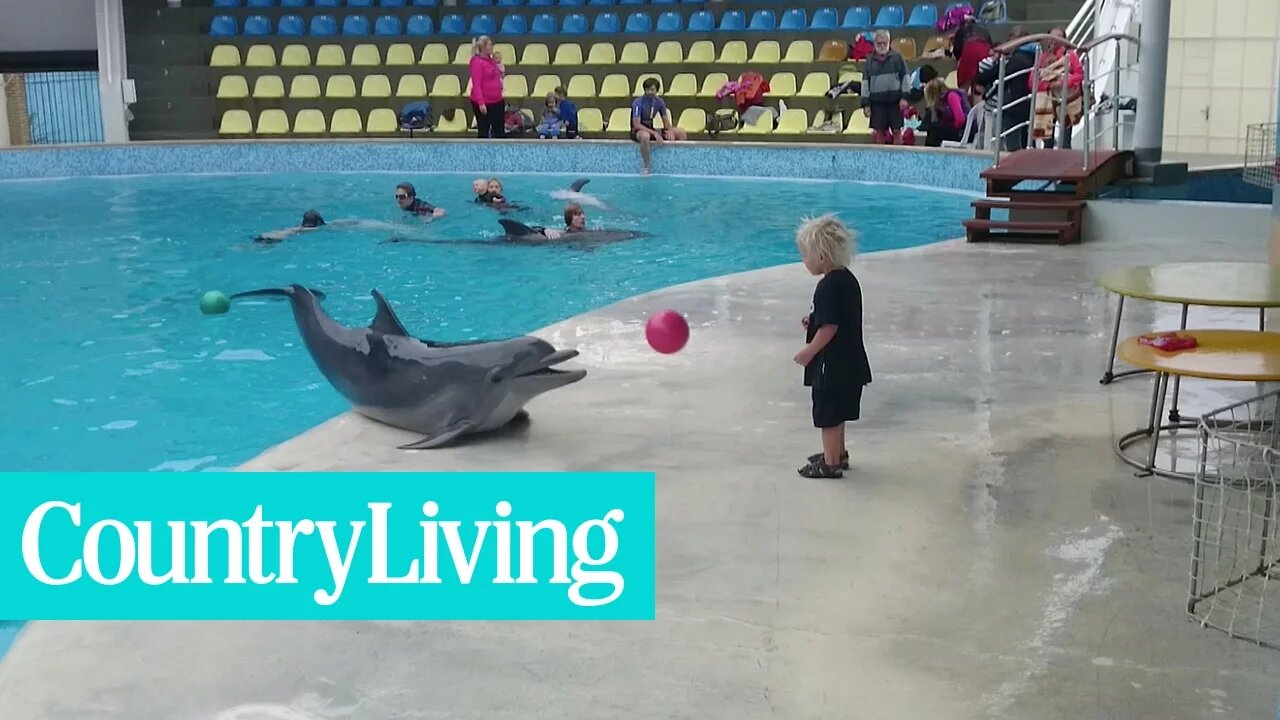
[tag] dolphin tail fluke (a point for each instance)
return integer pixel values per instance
(516, 229)
(579, 184)
(275, 292)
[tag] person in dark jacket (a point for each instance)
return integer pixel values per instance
(885, 84)
(1016, 89)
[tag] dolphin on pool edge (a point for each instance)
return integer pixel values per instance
(441, 390)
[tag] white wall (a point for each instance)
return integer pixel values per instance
(36, 25)
(1224, 57)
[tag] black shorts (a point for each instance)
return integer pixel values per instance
(833, 407)
(886, 116)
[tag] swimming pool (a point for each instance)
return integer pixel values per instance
(111, 366)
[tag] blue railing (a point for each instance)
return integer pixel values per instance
(64, 107)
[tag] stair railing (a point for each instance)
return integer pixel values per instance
(1117, 42)
(1002, 78)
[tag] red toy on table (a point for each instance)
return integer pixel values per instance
(1168, 342)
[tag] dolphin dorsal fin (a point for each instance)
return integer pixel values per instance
(385, 321)
(579, 184)
(516, 229)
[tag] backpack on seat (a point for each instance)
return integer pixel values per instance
(416, 116)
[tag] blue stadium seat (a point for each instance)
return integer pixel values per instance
(663, 2)
(575, 24)
(923, 15)
(825, 19)
(391, 3)
(420, 25)
(514, 24)
(890, 16)
(224, 25)
(763, 20)
(226, 3)
(692, 2)
(453, 24)
(483, 25)
(359, 3)
(607, 23)
(387, 25)
(291, 25)
(702, 21)
(544, 24)
(639, 22)
(733, 21)
(293, 3)
(670, 22)
(323, 25)
(355, 25)
(600, 3)
(328, 3)
(257, 25)
(793, 19)
(630, 2)
(572, 3)
(474, 3)
(541, 3)
(260, 3)
(856, 18)
(426, 3)
(510, 3)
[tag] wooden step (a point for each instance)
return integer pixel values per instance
(1062, 232)
(1068, 202)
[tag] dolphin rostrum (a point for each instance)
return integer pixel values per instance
(442, 390)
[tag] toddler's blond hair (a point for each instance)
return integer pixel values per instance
(827, 239)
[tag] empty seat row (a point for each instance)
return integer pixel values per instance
(668, 52)
(765, 20)
(919, 13)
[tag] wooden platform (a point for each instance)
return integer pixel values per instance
(1054, 210)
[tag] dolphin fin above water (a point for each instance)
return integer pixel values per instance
(517, 229)
(579, 184)
(385, 320)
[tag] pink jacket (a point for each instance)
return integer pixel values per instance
(1068, 60)
(486, 81)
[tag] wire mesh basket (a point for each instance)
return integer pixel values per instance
(1235, 527)
(1261, 167)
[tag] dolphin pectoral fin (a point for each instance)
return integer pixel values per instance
(516, 229)
(445, 436)
(385, 321)
(579, 184)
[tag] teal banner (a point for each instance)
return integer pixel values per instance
(327, 546)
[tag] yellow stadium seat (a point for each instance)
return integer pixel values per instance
(762, 126)
(634, 53)
(525, 112)
(712, 83)
(683, 85)
(701, 52)
(602, 54)
(833, 51)
(309, 122)
(938, 42)
(375, 86)
(260, 56)
(508, 53)
(225, 56)
(582, 86)
(951, 79)
(515, 87)
(236, 122)
(295, 56)
(590, 120)
(767, 52)
(304, 86)
(346, 121)
(331, 56)
(414, 86)
(619, 121)
(365, 56)
(692, 120)
(794, 121)
(454, 122)
(859, 123)
(466, 92)
(446, 86)
(615, 86)
(434, 54)
(669, 52)
(639, 88)
(273, 122)
(849, 74)
(268, 86)
(821, 120)
(400, 54)
(906, 46)
(568, 54)
(233, 87)
(545, 84)
(799, 51)
(782, 84)
(816, 84)
(340, 86)
(535, 54)
(734, 51)
(382, 120)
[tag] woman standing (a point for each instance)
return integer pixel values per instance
(486, 89)
(1057, 60)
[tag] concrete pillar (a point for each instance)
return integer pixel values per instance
(4, 116)
(1153, 70)
(109, 19)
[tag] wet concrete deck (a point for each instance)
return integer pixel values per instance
(986, 557)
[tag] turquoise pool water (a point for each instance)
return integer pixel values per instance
(109, 365)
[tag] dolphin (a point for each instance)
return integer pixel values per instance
(517, 233)
(575, 194)
(441, 390)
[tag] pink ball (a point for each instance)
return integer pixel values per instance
(667, 332)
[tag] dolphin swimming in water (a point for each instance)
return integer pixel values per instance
(442, 390)
(517, 233)
(575, 194)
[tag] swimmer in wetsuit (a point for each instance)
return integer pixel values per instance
(575, 220)
(490, 193)
(408, 200)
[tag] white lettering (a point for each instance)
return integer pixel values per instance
(560, 542)
(235, 553)
(503, 531)
(93, 561)
(339, 563)
(31, 543)
(379, 549)
(581, 550)
(430, 544)
(177, 555)
(465, 566)
(255, 526)
(289, 534)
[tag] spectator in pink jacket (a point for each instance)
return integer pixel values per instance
(1057, 61)
(486, 89)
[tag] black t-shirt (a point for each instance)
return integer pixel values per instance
(843, 362)
(421, 207)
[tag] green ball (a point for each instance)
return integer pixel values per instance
(214, 303)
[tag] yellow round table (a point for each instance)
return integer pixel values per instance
(1238, 355)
